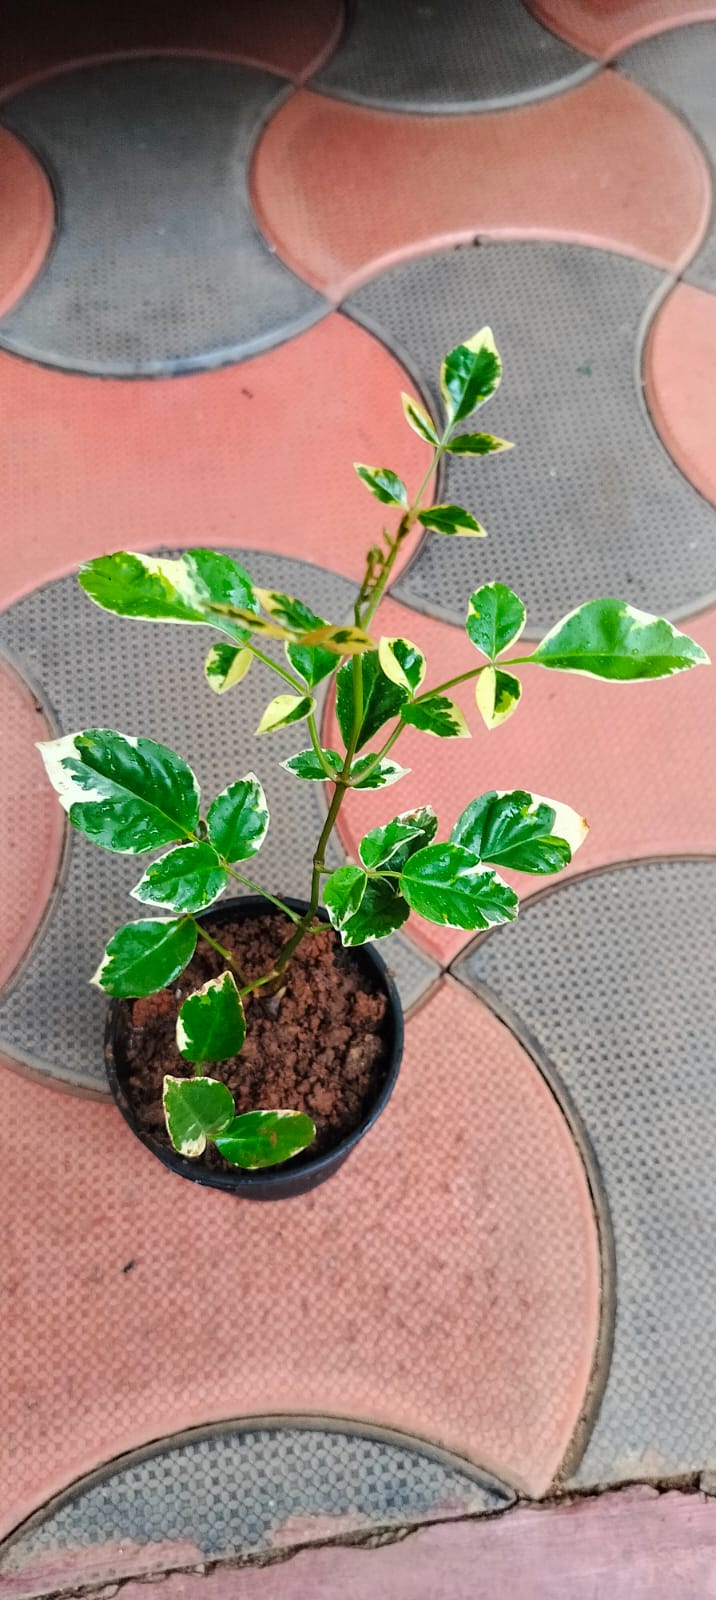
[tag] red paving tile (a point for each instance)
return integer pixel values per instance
(38, 37)
(445, 1282)
(342, 191)
(679, 366)
(32, 830)
(605, 27)
(638, 1545)
(257, 455)
(609, 750)
(28, 218)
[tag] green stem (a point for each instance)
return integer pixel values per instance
(256, 889)
(317, 747)
(379, 754)
(220, 949)
(275, 666)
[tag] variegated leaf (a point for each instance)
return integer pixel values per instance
(125, 794)
(495, 619)
(610, 639)
(305, 764)
(211, 1025)
(417, 418)
(363, 908)
(265, 1138)
(161, 589)
(188, 878)
(469, 375)
(478, 444)
(439, 716)
(519, 830)
(391, 844)
(384, 484)
(452, 520)
(226, 665)
(145, 956)
(449, 885)
(286, 708)
(497, 695)
(402, 662)
(195, 1109)
(238, 819)
(383, 774)
(382, 699)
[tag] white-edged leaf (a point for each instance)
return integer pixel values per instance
(497, 695)
(382, 699)
(417, 418)
(609, 639)
(195, 1109)
(305, 764)
(238, 819)
(340, 640)
(186, 879)
(393, 842)
(402, 662)
(449, 885)
(382, 775)
(439, 716)
(145, 956)
(164, 589)
(211, 1025)
(470, 374)
(478, 444)
(525, 832)
(226, 665)
(286, 708)
(452, 520)
(125, 794)
(384, 484)
(343, 891)
(265, 1138)
(495, 619)
(363, 911)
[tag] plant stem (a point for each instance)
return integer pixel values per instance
(317, 747)
(256, 889)
(275, 666)
(220, 948)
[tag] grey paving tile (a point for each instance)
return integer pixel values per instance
(158, 264)
(588, 502)
(609, 979)
(52, 1018)
(679, 66)
(239, 1491)
(469, 56)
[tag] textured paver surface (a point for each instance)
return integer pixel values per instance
(229, 236)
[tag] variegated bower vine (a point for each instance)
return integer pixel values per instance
(132, 795)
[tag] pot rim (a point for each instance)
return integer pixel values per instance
(287, 1176)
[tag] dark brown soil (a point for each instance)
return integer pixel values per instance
(316, 1047)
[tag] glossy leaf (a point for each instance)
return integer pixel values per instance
(195, 1109)
(186, 879)
(417, 418)
(519, 830)
(449, 885)
(384, 484)
(211, 1025)
(144, 956)
(312, 662)
(478, 444)
(307, 765)
(379, 910)
(286, 708)
(391, 844)
(469, 375)
(385, 773)
(439, 716)
(610, 639)
(265, 1138)
(402, 662)
(126, 794)
(250, 623)
(343, 892)
(495, 619)
(452, 520)
(226, 665)
(238, 819)
(382, 699)
(341, 641)
(288, 611)
(497, 695)
(169, 590)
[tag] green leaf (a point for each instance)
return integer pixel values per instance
(343, 892)
(145, 956)
(495, 619)
(417, 418)
(211, 1025)
(385, 773)
(520, 830)
(449, 885)
(288, 611)
(307, 765)
(437, 715)
(342, 641)
(391, 844)
(453, 520)
(384, 484)
(402, 662)
(238, 819)
(497, 695)
(610, 639)
(284, 709)
(312, 662)
(195, 1109)
(125, 794)
(226, 665)
(187, 879)
(164, 590)
(470, 374)
(363, 911)
(382, 699)
(265, 1138)
(478, 444)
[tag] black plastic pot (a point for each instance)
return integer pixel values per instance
(304, 1171)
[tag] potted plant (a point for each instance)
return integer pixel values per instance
(291, 997)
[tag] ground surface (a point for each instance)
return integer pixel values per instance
(228, 237)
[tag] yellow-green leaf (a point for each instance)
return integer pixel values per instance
(226, 665)
(497, 695)
(284, 709)
(402, 662)
(417, 418)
